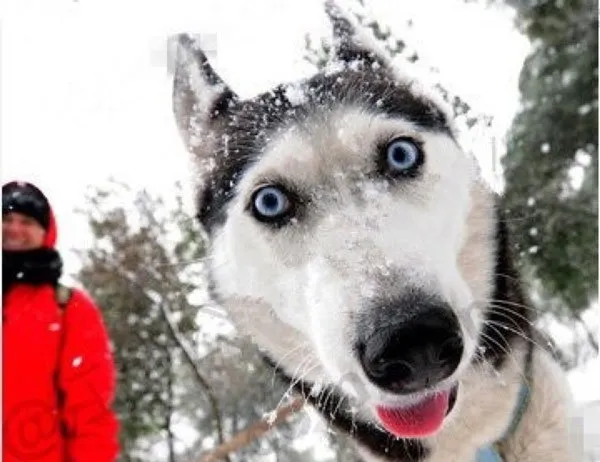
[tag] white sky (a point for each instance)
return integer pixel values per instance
(85, 94)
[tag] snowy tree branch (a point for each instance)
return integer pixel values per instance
(590, 334)
(189, 357)
(255, 431)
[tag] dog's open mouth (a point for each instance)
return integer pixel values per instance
(418, 420)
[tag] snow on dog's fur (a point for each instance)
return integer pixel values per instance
(355, 241)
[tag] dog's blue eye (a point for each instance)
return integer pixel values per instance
(402, 155)
(270, 203)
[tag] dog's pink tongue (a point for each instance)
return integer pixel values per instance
(418, 421)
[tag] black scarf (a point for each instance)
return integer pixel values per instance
(36, 267)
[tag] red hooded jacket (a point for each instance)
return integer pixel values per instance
(58, 377)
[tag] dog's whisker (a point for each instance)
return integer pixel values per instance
(277, 366)
(298, 373)
(294, 375)
(507, 350)
(340, 401)
(296, 378)
(508, 276)
(515, 304)
(324, 397)
(303, 345)
(519, 333)
(508, 313)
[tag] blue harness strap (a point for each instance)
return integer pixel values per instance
(492, 453)
(488, 454)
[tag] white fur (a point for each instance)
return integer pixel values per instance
(314, 283)
(301, 285)
(297, 289)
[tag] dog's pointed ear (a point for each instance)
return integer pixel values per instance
(200, 97)
(351, 45)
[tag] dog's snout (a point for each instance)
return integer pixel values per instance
(415, 353)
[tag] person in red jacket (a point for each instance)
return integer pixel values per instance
(58, 375)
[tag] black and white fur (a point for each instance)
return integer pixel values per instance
(306, 289)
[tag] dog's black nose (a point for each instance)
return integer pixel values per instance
(417, 352)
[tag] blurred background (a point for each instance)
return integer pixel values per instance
(86, 114)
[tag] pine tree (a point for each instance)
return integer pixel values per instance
(551, 166)
(133, 271)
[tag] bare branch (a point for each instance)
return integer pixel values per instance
(253, 432)
(590, 334)
(189, 357)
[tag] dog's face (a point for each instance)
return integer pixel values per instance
(349, 232)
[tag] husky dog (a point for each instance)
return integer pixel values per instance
(357, 243)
